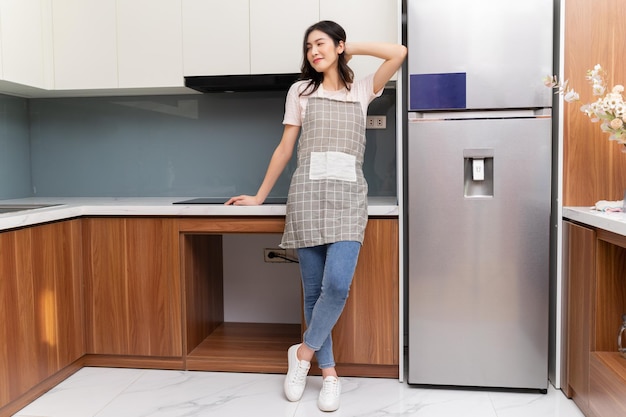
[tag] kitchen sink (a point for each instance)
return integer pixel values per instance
(10, 208)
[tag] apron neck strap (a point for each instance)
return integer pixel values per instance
(322, 93)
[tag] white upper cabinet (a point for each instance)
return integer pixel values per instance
(85, 44)
(364, 21)
(71, 45)
(149, 43)
(216, 37)
(25, 57)
(276, 34)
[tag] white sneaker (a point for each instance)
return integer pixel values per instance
(296, 374)
(329, 395)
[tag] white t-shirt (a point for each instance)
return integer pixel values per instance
(295, 104)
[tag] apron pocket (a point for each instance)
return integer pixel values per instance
(333, 166)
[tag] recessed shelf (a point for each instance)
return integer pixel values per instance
(245, 347)
(614, 362)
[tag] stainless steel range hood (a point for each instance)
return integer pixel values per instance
(232, 83)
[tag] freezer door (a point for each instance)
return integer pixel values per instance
(479, 54)
(478, 254)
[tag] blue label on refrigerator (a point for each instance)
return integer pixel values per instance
(437, 91)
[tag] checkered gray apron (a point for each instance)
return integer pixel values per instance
(327, 210)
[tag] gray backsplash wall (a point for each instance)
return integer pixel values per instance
(15, 180)
(185, 145)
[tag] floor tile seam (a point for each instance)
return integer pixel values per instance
(506, 409)
(123, 391)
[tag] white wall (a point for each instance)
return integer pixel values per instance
(256, 291)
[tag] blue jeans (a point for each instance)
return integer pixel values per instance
(327, 272)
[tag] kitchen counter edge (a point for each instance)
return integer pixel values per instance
(67, 208)
(613, 222)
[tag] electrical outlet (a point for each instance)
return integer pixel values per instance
(275, 255)
(376, 122)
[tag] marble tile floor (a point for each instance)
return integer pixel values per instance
(113, 392)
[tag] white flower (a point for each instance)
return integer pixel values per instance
(571, 96)
(608, 108)
(616, 123)
(550, 81)
(598, 89)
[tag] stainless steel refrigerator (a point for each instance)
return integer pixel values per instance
(479, 189)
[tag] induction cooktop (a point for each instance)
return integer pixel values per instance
(222, 200)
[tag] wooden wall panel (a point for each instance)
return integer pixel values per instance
(594, 168)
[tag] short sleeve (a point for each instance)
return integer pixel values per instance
(293, 106)
(363, 91)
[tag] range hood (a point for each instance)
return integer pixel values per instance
(232, 83)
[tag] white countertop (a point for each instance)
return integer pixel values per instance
(613, 222)
(69, 207)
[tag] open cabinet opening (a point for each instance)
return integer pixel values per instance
(241, 314)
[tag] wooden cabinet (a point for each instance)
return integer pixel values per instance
(108, 291)
(365, 338)
(579, 263)
(607, 375)
(364, 21)
(40, 306)
(595, 270)
(132, 287)
(366, 335)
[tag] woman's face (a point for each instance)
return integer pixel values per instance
(321, 51)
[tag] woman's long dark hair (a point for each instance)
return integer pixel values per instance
(336, 33)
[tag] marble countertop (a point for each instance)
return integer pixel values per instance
(613, 222)
(70, 207)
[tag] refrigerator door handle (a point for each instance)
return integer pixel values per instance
(480, 114)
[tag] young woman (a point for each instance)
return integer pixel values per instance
(327, 201)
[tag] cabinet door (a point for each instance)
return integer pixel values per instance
(132, 287)
(216, 37)
(364, 21)
(40, 304)
(24, 29)
(276, 34)
(19, 356)
(579, 262)
(149, 41)
(85, 50)
(367, 332)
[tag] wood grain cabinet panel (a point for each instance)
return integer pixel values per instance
(41, 305)
(365, 338)
(367, 331)
(607, 385)
(132, 287)
(595, 271)
(580, 265)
